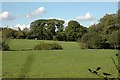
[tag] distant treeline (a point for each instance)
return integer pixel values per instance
(103, 35)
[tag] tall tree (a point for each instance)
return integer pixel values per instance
(60, 34)
(74, 30)
(36, 29)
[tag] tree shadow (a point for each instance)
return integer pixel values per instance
(29, 49)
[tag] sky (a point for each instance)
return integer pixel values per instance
(21, 14)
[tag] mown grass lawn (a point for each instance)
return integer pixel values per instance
(71, 62)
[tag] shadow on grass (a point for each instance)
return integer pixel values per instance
(22, 50)
(26, 67)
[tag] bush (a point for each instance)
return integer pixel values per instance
(91, 41)
(4, 46)
(83, 45)
(48, 46)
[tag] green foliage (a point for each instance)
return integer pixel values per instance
(7, 33)
(91, 40)
(83, 45)
(60, 36)
(48, 46)
(26, 33)
(103, 35)
(13, 34)
(36, 29)
(19, 35)
(46, 29)
(53, 29)
(114, 39)
(4, 46)
(74, 31)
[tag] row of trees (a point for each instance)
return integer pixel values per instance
(54, 29)
(105, 34)
(101, 35)
(51, 29)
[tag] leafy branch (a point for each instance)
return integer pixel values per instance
(104, 74)
(96, 72)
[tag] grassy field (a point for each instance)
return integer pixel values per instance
(71, 62)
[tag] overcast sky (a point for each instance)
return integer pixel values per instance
(23, 13)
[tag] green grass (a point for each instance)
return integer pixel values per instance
(71, 62)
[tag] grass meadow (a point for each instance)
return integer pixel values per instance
(71, 62)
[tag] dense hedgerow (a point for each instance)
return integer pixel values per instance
(48, 46)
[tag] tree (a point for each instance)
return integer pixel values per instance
(36, 29)
(4, 46)
(26, 33)
(60, 26)
(109, 23)
(60, 34)
(103, 34)
(19, 34)
(91, 40)
(74, 31)
(50, 29)
(114, 39)
(7, 33)
(46, 29)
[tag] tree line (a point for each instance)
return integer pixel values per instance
(103, 35)
(51, 29)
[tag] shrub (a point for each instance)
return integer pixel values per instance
(4, 46)
(91, 40)
(48, 46)
(83, 45)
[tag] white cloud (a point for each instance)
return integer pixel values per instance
(95, 22)
(39, 11)
(6, 16)
(92, 23)
(85, 17)
(55, 18)
(21, 26)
